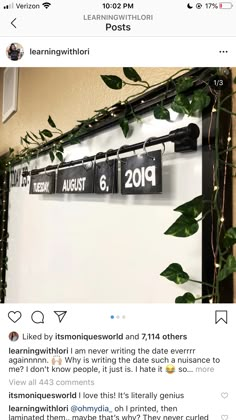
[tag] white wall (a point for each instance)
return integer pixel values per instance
(94, 248)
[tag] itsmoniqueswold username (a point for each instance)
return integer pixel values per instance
(40, 396)
(59, 52)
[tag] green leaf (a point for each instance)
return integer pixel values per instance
(74, 138)
(186, 298)
(29, 135)
(183, 227)
(191, 208)
(52, 156)
(47, 133)
(34, 135)
(60, 148)
(235, 80)
(175, 273)
(183, 84)
(200, 100)
(59, 156)
(124, 124)
(42, 136)
(24, 139)
(229, 237)
(181, 104)
(51, 122)
(229, 268)
(161, 113)
(113, 82)
(82, 129)
(131, 74)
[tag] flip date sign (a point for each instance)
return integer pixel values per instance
(142, 174)
(105, 177)
(75, 180)
(42, 184)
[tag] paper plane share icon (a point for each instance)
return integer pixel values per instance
(61, 315)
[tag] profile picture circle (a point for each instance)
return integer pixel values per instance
(15, 51)
(13, 336)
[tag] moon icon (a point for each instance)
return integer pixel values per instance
(189, 6)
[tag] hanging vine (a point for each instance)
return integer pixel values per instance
(187, 224)
(191, 213)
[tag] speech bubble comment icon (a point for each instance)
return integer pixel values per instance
(37, 317)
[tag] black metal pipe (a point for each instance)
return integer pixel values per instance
(191, 132)
(142, 104)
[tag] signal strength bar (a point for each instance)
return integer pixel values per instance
(9, 6)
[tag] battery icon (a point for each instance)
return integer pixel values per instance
(226, 5)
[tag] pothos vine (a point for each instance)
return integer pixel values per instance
(192, 212)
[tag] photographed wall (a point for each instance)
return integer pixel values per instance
(68, 95)
(98, 248)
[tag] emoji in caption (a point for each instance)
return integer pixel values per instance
(170, 368)
(56, 360)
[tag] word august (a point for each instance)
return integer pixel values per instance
(74, 185)
(138, 175)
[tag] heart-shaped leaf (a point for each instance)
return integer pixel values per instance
(124, 124)
(52, 156)
(228, 268)
(59, 156)
(161, 113)
(131, 74)
(47, 133)
(42, 136)
(51, 122)
(183, 84)
(181, 104)
(183, 227)
(191, 208)
(200, 100)
(174, 272)
(230, 237)
(113, 82)
(60, 148)
(186, 298)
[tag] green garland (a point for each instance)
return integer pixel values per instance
(187, 223)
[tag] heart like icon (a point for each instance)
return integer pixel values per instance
(224, 394)
(14, 316)
(224, 417)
